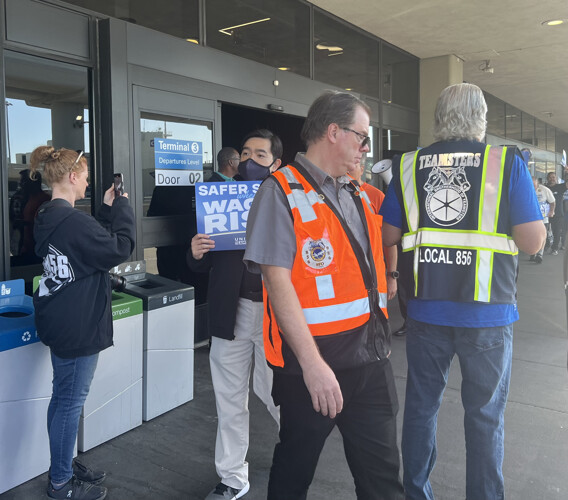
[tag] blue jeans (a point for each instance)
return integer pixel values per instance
(485, 356)
(71, 382)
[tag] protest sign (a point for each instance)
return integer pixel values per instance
(222, 211)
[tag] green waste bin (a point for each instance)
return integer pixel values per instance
(114, 403)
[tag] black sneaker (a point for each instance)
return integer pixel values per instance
(224, 492)
(532, 258)
(77, 490)
(84, 473)
(401, 332)
(88, 475)
(538, 259)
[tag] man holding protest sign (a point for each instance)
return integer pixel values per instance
(235, 322)
(318, 244)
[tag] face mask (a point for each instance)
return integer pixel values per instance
(252, 171)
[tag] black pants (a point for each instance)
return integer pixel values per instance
(556, 224)
(367, 424)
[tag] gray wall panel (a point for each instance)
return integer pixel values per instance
(173, 55)
(48, 27)
(399, 118)
(151, 78)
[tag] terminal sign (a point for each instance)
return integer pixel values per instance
(178, 162)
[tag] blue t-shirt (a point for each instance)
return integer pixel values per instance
(523, 208)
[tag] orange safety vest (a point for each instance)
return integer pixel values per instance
(327, 274)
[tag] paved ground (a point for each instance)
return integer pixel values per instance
(171, 457)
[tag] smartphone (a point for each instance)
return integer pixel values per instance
(118, 184)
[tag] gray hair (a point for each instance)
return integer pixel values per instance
(460, 113)
(330, 107)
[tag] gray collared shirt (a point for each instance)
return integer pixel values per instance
(270, 228)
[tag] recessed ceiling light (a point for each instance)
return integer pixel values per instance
(229, 29)
(331, 48)
(284, 68)
(348, 88)
(553, 22)
(192, 40)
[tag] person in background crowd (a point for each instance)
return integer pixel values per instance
(228, 160)
(463, 209)
(72, 304)
(235, 323)
(546, 202)
(376, 197)
(318, 244)
(557, 218)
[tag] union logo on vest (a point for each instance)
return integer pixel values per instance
(446, 203)
(317, 254)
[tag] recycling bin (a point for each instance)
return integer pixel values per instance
(25, 389)
(168, 338)
(114, 403)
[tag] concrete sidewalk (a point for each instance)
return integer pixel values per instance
(171, 457)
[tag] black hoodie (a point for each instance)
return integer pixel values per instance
(72, 303)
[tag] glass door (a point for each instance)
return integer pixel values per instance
(174, 149)
(47, 103)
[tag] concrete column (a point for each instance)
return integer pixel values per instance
(436, 73)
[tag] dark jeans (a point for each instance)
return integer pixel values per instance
(367, 424)
(71, 382)
(485, 356)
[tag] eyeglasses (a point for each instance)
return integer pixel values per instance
(364, 140)
(78, 158)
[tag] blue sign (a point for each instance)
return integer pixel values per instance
(222, 211)
(178, 162)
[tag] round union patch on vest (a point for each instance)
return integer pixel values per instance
(446, 206)
(446, 202)
(317, 254)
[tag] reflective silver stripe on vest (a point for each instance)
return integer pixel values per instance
(365, 197)
(338, 312)
(382, 300)
(491, 185)
(457, 239)
(484, 267)
(324, 285)
(408, 181)
(301, 200)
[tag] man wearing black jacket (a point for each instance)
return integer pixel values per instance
(235, 322)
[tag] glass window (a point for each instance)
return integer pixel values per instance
(175, 17)
(550, 137)
(46, 103)
(527, 125)
(171, 200)
(397, 143)
(344, 57)
(540, 171)
(271, 32)
(513, 123)
(399, 75)
(495, 115)
(540, 133)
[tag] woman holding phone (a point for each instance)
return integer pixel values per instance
(73, 303)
